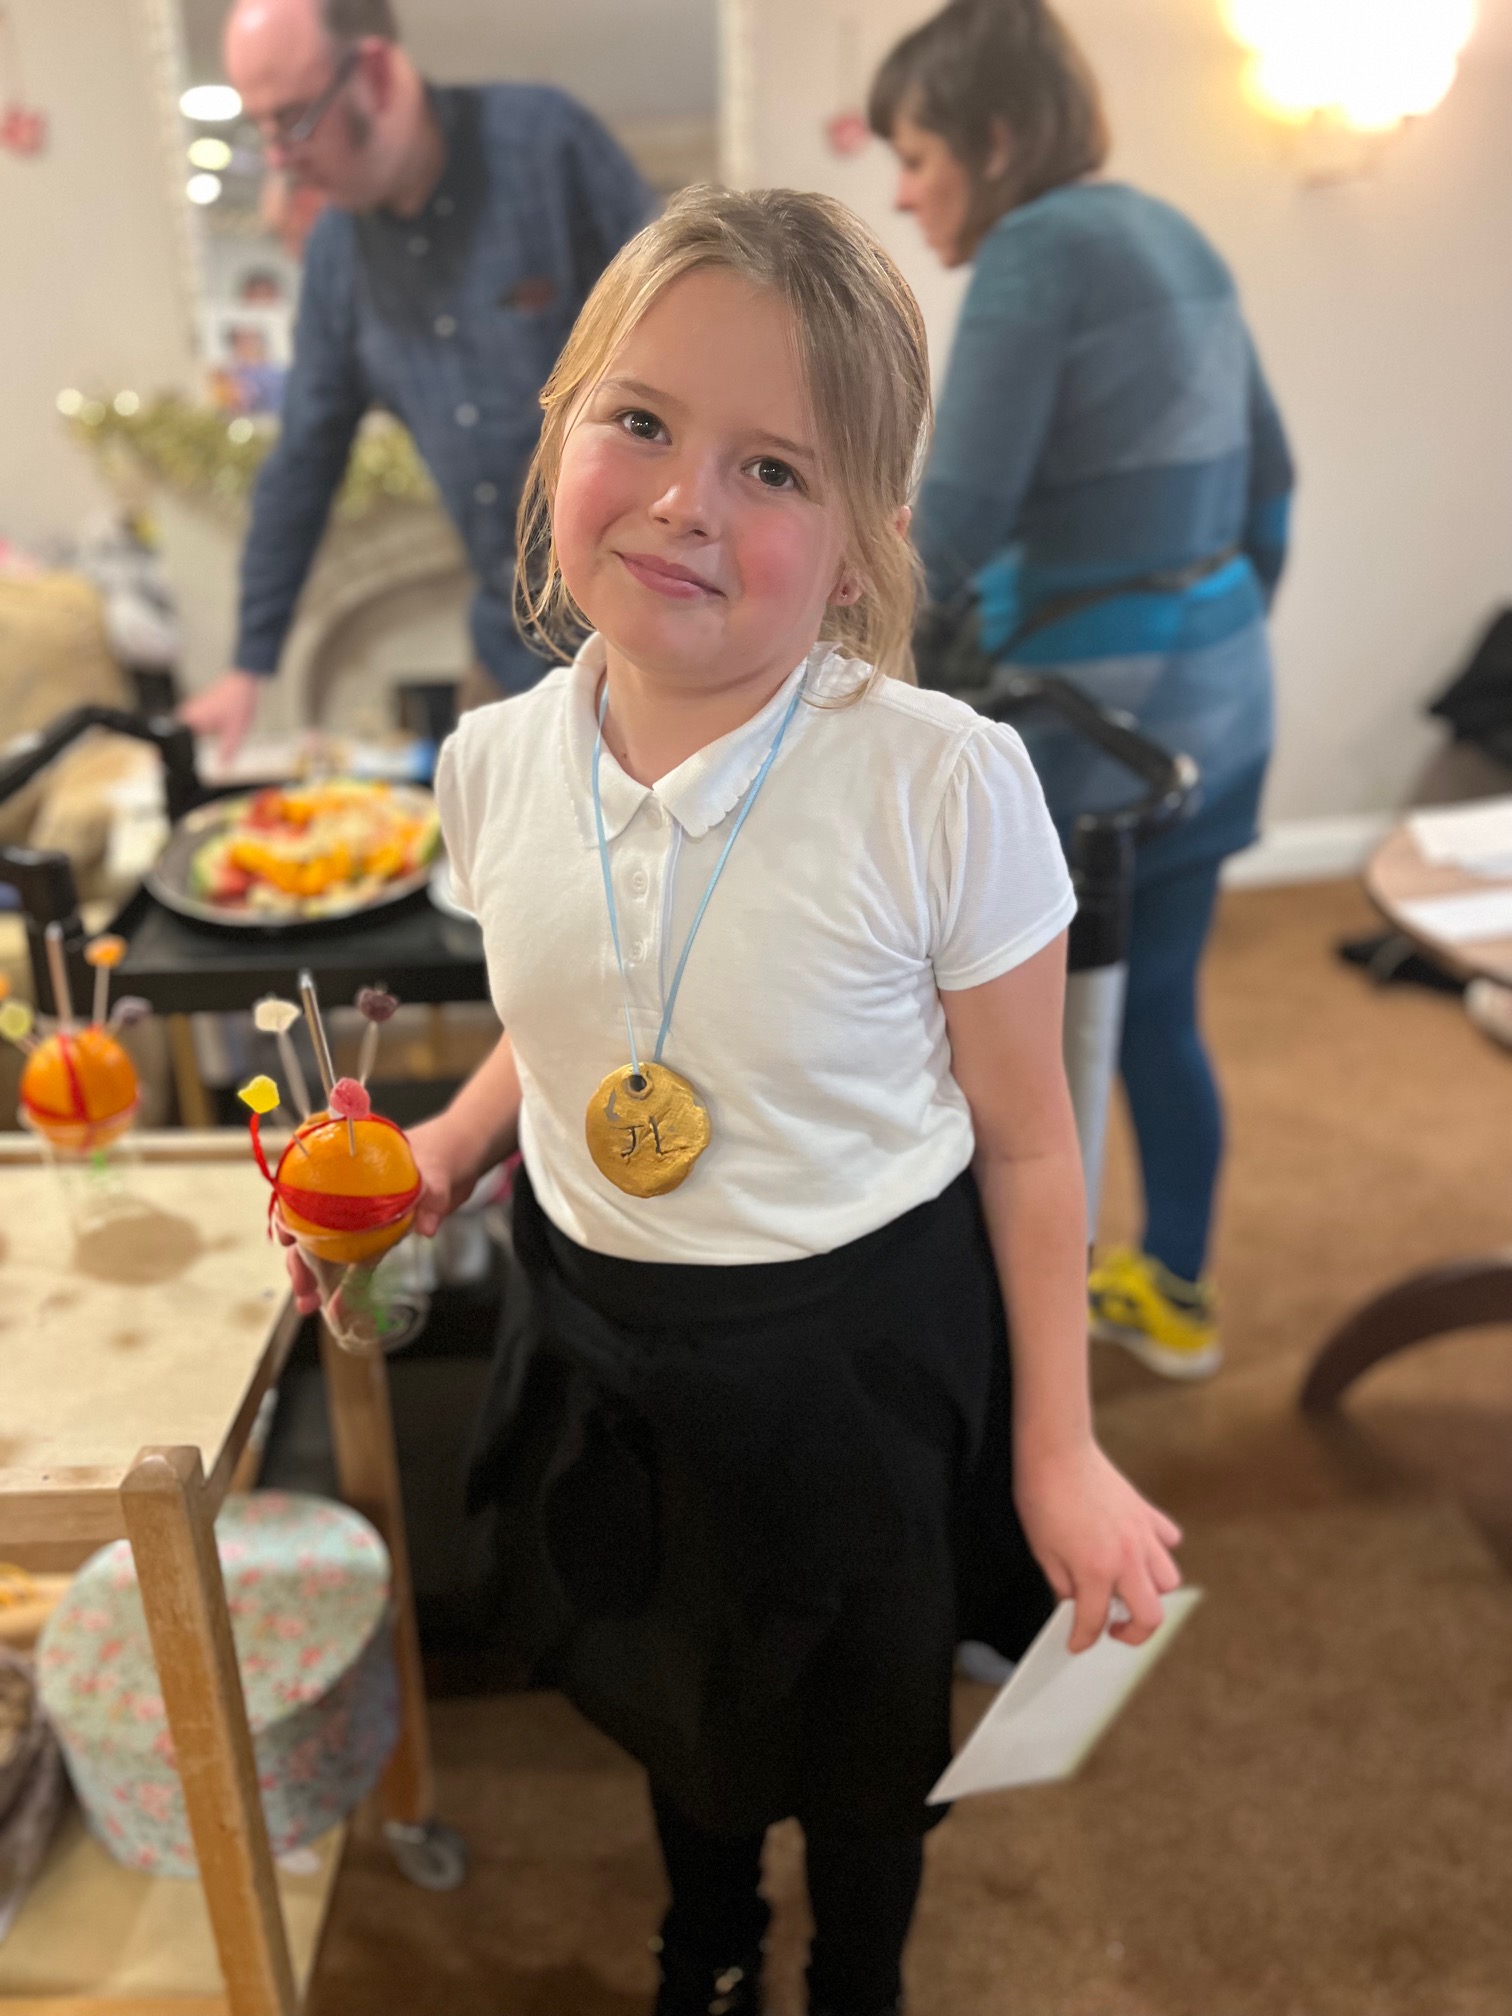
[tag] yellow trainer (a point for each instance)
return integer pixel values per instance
(1169, 1324)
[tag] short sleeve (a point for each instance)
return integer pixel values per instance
(456, 825)
(999, 889)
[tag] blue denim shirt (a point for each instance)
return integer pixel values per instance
(452, 320)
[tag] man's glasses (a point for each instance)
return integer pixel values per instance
(296, 124)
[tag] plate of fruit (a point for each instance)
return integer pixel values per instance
(297, 854)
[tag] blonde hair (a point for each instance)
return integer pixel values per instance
(865, 360)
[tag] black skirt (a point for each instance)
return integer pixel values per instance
(745, 1513)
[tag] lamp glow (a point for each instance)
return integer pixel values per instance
(203, 189)
(209, 153)
(1369, 64)
(210, 104)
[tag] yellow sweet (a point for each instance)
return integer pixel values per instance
(261, 1094)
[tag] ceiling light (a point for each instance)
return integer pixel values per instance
(210, 104)
(1366, 64)
(203, 188)
(209, 153)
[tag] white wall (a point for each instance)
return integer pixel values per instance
(1383, 308)
(94, 292)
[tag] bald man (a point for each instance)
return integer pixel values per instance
(465, 229)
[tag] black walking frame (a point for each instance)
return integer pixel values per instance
(950, 657)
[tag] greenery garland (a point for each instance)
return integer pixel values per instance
(207, 457)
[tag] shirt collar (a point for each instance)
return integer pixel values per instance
(700, 792)
(457, 114)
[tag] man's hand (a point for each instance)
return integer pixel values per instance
(225, 709)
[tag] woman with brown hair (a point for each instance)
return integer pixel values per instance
(1111, 477)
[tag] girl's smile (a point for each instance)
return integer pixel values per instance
(667, 578)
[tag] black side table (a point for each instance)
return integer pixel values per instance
(182, 968)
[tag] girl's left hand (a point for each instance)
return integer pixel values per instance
(1097, 1539)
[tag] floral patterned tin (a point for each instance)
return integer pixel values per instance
(307, 1585)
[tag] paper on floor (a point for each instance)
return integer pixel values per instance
(1475, 917)
(1050, 1716)
(1464, 836)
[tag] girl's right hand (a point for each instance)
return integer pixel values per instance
(444, 1184)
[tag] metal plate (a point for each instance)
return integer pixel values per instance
(168, 878)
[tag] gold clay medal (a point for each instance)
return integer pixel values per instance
(646, 1124)
(646, 1129)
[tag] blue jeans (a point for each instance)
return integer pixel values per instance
(1173, 1097)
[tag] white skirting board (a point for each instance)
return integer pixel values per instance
(1308, 850)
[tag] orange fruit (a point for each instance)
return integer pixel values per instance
(79, 1089)
(342, 1206)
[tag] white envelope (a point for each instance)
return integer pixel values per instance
(1472, 917)
(1048, 1719)
(1464, 836)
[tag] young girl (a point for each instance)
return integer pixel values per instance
(778, 944)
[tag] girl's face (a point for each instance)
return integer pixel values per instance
(934, 187)
(694, 525)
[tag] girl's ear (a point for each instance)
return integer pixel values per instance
(903, 520)
(1000, 151)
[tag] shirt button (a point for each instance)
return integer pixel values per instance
(487, 493)
(419, 245)
(655, 812)
(638, 950)
(446, 325)
(640, 882)
(466, 414)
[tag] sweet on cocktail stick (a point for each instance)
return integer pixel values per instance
(276, 1018)
(128, 1011)
(57, 966)
(376, 1007)
(104, 955)
(16, 1021)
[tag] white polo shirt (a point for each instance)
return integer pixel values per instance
(900, 846)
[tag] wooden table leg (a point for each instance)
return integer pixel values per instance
(172, 1535)
(195, 1109)
(1459, 1297)
(362, 1433)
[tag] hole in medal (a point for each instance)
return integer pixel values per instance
(638, 1083)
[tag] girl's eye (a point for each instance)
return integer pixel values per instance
(774, 475)
(640, 425)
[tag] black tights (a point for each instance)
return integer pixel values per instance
(862, 1892)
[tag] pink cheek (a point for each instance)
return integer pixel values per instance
(775, 560)
(595, 490)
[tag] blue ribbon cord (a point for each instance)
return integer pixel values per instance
(603, 847)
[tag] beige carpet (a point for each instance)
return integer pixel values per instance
(1309, 1811)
